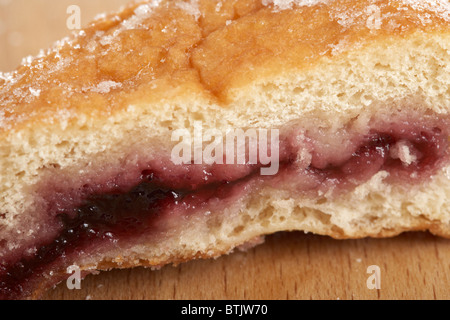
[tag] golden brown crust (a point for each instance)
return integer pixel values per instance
(161, 49)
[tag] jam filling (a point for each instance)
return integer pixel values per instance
(114, 218)
(103, 217)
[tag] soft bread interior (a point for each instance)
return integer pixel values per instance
(358, 82)
(374, 209)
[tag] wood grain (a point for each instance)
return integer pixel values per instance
(287, 266)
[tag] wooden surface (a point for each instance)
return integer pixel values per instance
(290, 266)
(287, 266)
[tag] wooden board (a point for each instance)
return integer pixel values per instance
(290, 266)
(287, 266)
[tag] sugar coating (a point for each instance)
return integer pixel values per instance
(439, 7)
(140, 14)
(339, 47)
(104, 87)
(288, 4)
(191, 7)
(35, 92)
(7, 76)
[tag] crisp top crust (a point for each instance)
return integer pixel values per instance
(159, 50)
